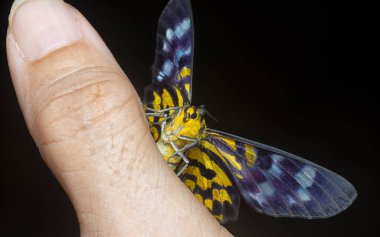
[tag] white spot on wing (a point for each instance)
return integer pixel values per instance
(291, 199)
(169, 34)
(159, 77)
(275, 169)
(277, 157)
(167, 68)
(259, 197)
(303, 195)
(306, 176)
(165, 47)
(266, 188)
(188, 50)
(182, 28)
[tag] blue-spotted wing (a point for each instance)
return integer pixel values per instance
(172, 67)
(224, 167)
(173, 63)
(278, 183)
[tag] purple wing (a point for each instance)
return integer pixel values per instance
(173, 60)
(281, 184)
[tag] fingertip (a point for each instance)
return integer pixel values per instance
(41, 26)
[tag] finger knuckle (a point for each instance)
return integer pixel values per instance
(83, 99)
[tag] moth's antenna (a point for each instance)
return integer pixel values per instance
(203, 111)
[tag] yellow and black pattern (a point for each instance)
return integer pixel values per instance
(173, 60)
(159, 98)
(211, 185)
(220, 168)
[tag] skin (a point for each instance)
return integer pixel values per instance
(87, 121)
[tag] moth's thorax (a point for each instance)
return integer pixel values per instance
(186, 122)
(184, 126)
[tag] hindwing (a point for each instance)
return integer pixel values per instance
(210, 184)
(281, 184)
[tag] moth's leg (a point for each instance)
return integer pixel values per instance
(163, 125)
(166, 117)
(184, 158)
(182, 169)
(158, 113)
(193, 142)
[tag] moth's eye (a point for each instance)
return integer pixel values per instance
(193, 115)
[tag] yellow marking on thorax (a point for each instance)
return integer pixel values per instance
(177, 128)
(188, 129)
(190, 110)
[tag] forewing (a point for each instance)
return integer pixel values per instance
(211, 185)
(172, 67)
(281, 184)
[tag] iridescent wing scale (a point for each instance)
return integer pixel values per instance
(278, 183)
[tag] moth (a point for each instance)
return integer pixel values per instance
(218, 167)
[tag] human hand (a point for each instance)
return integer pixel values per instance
(89, 126)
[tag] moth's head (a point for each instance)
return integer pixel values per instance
(189, 122)
(192, 114)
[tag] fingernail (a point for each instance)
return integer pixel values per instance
(38, 27)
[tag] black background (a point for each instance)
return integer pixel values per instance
(291, 74)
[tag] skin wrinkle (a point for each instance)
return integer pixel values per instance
(80, 140)
(77, 72)
(65, 69)
(96, 120)
(57, 169)
(137, 152)
(80, 90)
(117, 166)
